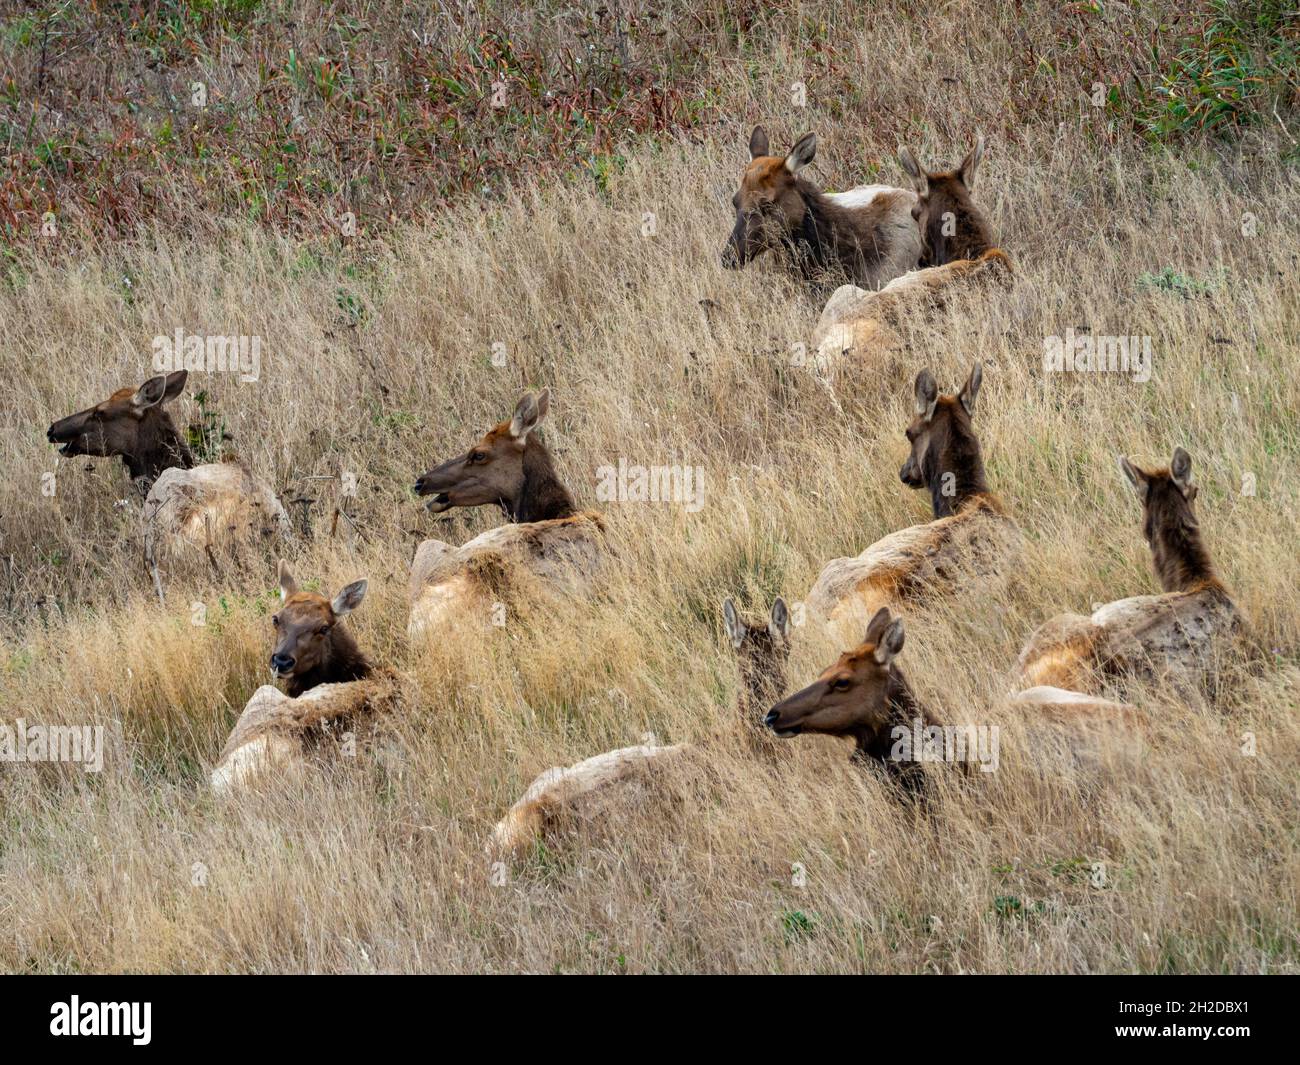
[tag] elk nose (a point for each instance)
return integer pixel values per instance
(770, 720)
(281, 663)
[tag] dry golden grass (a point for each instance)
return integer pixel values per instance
(383, 868)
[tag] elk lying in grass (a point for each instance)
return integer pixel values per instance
(866, 234)
(865, 697)
(970, 546)
(331, 689)
(577, 792)
(1179, 636)
(958, 253)
(185, 506)
(509, 467)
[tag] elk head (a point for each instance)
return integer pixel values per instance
(762, 651)
(131, 424)
(951, 226)
(945, 454)
(1169, 522)
(508, 466)
(310, 649)
(770, 207)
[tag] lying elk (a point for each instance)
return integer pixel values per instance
(511, 468)
(1179, 635)
(968, 548)
(867, 234)
(959, 250)
(762, 651)
(865, 697)
(185, 505)
(331, 688)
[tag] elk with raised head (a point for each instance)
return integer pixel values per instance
(332, 690)
(1180, 636)
(967, 549)
(762, 650)
(185, 505)
(512, 468)
(958, 251)
(866, 234)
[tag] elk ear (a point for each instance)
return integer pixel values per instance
(1180, 468)
(779, 622)
(971, 388)
(151, 393)
(920, 181)
(890, 643)
(349, 598)
(927, 395)
(735, 630)
(802, 153)
(287, 584)
(971, 163)
(1136, 477)
(528, 412)
(175, 385)
(758, 143)
(877, 625)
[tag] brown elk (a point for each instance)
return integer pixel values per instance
(951, 226)
(864, 696)
(132, 424)
(762, 651)
(967, 549)
(547, 535)
(509, 467)
(1176, 636)
(311, 648)
(867, 234)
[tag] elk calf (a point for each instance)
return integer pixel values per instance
(509, 467)
(185, 506)
(1178, 636)
(968, 549)
(867, 234)
(578, 791)
(331, 689)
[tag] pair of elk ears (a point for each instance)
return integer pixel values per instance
(161, 389)
(920, 179)
(529, 412)
(1180, 472)
(966, 172)
(886, 632)
(344, 603)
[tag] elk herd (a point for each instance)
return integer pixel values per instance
(898, 248)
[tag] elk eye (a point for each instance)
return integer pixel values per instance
(841, 684)
(275, 620)
(475, 457)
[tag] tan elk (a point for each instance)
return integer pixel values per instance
(969, 547)
(578, 791)
(332, 690)
(959, 252)
(866, 234)
(512, 468)
(185, 506)
(1179, 636)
